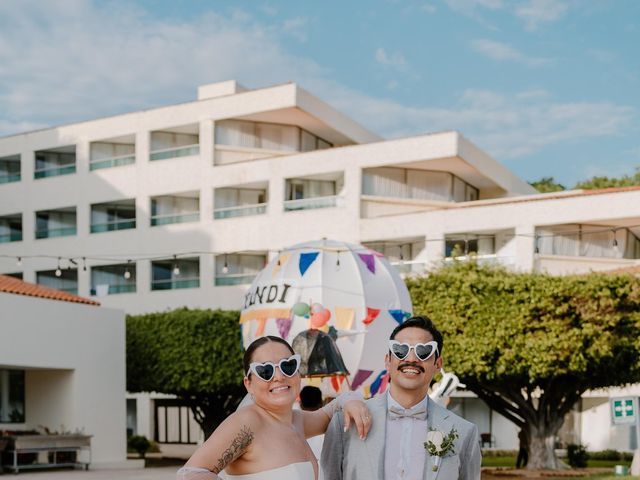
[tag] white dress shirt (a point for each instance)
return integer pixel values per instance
(404, 453)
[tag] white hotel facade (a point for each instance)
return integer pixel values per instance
(182, 205)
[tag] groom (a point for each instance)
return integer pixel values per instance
(401, 420)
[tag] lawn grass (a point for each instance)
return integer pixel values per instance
(511, 462)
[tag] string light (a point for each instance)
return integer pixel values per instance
(615, 240)
(338, 261)
(176, 268)
(58, 272)
(19, 262)
(84, 264)
(127, 273)
(225, 268)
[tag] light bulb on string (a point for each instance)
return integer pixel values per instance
(338, 261)
(225, 268)
(176, 268)
(615, 240)
(84, 264)
(127, 273)
(19, 262)
(58, 272)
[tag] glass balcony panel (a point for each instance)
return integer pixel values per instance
(10, 177)
(175, 152)
(174, 218)
(112, 162)
(55, 171)
(112, 226)
(116, 289)
(312, 203)
(240, 211)
(175, 284)
(11, 237)
(234, 279)
(56, 232)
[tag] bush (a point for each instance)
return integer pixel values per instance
(577, 455)
(608, 454)
(499, 453)
(139, 444)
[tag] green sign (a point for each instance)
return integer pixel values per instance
(624, 410)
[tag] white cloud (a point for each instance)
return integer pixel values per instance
(429, 8)
(296, 27)
(503, 52)
(63, 61)
(535, 12)
(604, 56)
(391, 60)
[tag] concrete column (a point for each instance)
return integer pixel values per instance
(525, 247)
(433, 253)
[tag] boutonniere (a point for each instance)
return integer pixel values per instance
(438, 444)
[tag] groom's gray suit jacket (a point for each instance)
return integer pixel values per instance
(345, 456)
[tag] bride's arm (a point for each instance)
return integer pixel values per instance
(225, 445)
(354, 410)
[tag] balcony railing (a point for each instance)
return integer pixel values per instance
(235, 279)
(486, 259)
(311, 203)
(175, 284)
(115, 289)
(111, 226)
(240, 211)
(175, 152)
(9, 177)
(170, 218)
(56, 232)
(54, 171)
(11, 237)
(112, 162)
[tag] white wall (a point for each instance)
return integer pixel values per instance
(74, 355)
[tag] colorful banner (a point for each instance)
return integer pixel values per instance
(399, 315)
(372, 314)
(344, 317)
(377, 383)
(261, 324)
(284, 326)
(359, 378)
(369, 260)
(283, 258)
(306, 259)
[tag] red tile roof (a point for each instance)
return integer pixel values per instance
(14, 285)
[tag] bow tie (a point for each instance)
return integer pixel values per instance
(419, 412)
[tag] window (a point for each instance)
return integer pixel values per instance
(175, 274)
(56, 223)
(167, 209)
(113, 279)
(166, 145)
(12, 396)
(10, 169)
(596, 241)
(119, 215)
(239, 202)
(416, 184)
(64, 279)
(11, 228)
(112, 154)
(305, 193)
(55, 162)
(238, 269)
(462, 245)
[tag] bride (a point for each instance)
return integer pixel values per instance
(267, 440)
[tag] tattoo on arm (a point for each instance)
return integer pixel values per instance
(238, 447)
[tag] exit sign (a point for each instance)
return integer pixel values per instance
(624, 410)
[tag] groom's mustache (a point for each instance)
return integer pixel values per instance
(411, 364)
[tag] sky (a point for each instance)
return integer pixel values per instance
(546, 87)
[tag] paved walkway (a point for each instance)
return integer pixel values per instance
(160, 473)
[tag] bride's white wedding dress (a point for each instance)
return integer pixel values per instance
(293, 471)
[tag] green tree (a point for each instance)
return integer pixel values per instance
(547, 185)
(529, 344)
(606, 182)
(193, 354)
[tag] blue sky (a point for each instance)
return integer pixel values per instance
(547, 87)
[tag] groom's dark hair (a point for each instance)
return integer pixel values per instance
(424, 323)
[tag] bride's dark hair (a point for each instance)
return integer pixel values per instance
(248, 354)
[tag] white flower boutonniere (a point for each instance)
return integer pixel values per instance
(438, 444)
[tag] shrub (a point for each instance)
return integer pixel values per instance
(499, 453)
(577, 455)
(139, 444)
(608, 454)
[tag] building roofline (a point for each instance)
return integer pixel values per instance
(19, 287)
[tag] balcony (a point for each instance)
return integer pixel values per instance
(64, 279)
(178, 208)
(55, 223)
(112, 216)
(55, 162)
(113, 279)
(238, 268)
(175, 143)
(239, 202)
(321, 191)
(241, 140)
(10, 169)
(402, 254)
(112, 153)
(11, 228)
(175, 274)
